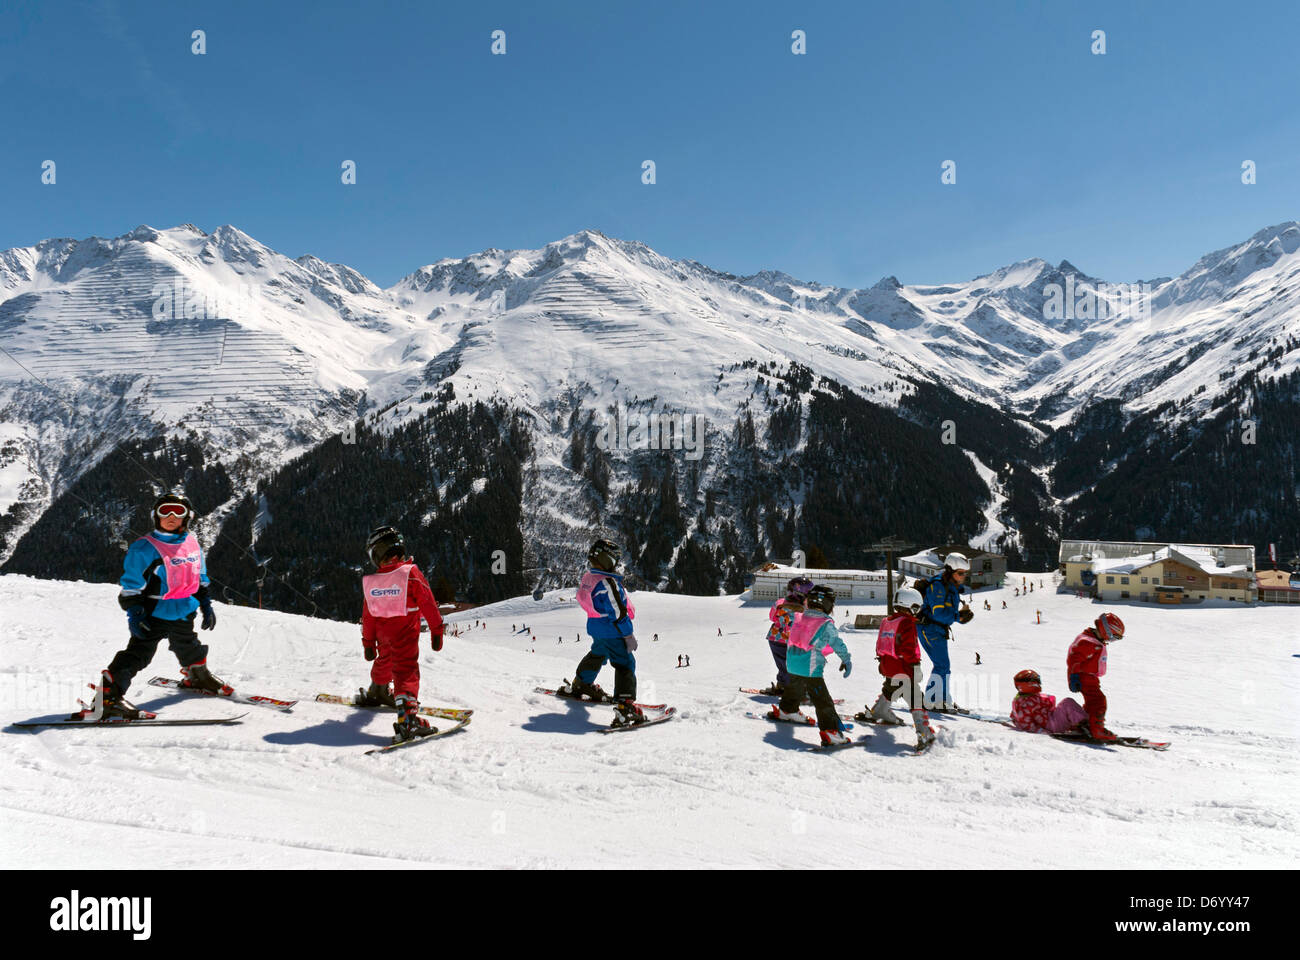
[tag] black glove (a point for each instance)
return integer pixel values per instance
(135, 622)
(435, 641)
(209, 615)
(966, 615)
(371, 652)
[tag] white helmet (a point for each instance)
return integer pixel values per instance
(957, 561)
(908, 598)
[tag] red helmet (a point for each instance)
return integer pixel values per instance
(1109, 628)
(1028, 681)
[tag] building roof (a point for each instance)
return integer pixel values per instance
(1198, 557)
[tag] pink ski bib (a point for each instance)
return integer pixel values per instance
(589, 583)
(386, 593)
(887, 638)
(181, 565)
(805, 628)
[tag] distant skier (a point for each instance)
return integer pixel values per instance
(679, 659)
(609, 623)
(1035, 712)
(782, 616)
(977, 658)
(688, 659)
(899, 659)
(1004, 604)
(941, 597)
(655, 638)
(1086, 665)
(719, 631)
(812, 637)
(394, 598)
(164, 585)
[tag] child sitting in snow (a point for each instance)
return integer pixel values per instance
(1035, 712)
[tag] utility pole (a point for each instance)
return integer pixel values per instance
(889, 546)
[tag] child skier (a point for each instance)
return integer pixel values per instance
(1086, 665)
(395, 596)
(941, 595)
(609, 622)
(812, 637)
(782, 616)
(899, 657)
(164, 584)
(1035, 712)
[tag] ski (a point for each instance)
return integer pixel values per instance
(832, 747)
(863, 716)
(146, 720)
(253, 700)
(1141, 743)
(806, 722)
(415, 741)
(970, 715)
(775, 696)
(668, 714)
(446, 713)
(597, 703)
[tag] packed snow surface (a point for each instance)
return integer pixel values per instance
(531, 783)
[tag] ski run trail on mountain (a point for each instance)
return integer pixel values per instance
(530, 783)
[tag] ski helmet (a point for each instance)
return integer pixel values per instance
(1109, 628)
(820, 597)
(957, 561)
(797, 589)
(383, 542)
(605, 555)
(1028, 681)
(173, 505)
(909, 599)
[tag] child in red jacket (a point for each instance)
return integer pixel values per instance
(396, 596)
(1035, 712)
(1086, 665)
(898, 653)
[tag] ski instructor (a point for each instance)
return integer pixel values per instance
(942, 606)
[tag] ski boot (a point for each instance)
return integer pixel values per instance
(797, 717)
(579, 690)
(1097, 730)
(410, 725)
(925, 735)
(627, 713)
(881, 712)
(375, 696)
(108, 703)
(834, 738)
(197, 676)
(775, 690)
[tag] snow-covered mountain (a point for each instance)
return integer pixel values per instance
(260, 357)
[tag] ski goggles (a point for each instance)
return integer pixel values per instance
(172, 510)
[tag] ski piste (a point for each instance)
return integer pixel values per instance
(446, 713)
(416, 741)
(667, 714)
(764, 693)
(146, 719)
(846, 723)
(284, 706)
(597, 703)
(1142, 743)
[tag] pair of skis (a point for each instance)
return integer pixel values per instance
(655, 712)
(90, 717)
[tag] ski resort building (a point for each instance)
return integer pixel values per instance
(1278, 586)
(862, 586)
(986, 569)
(1160, 572)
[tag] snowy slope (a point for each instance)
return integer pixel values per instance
(530, 782)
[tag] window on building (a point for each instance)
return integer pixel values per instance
(1123, 594)
(1110, 579)
(1123, 580)
(1144, 579)
(1155, 580)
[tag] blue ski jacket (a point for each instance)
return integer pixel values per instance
(143, 578)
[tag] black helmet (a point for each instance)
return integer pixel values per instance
(174, 499)
(820, 597)
(605, 555)
(383, 543)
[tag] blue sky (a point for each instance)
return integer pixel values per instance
(826, 166)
